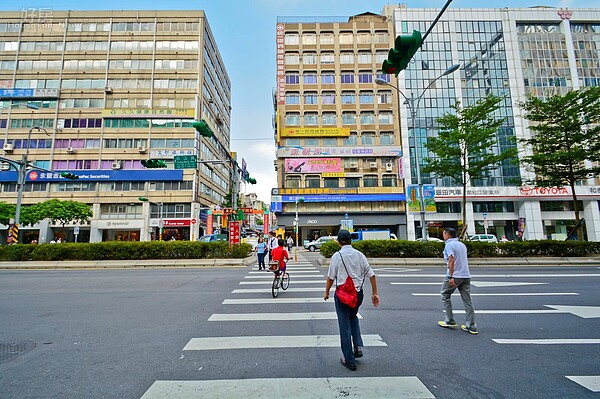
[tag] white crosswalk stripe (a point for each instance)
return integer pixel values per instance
(591, 382)
(283, 341)
(260, 301)
(293, 388)
(274, 316)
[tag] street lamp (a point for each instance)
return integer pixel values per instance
(413, 106)
(298, 199)
(160, 215)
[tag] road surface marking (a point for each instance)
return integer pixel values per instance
(321, 281)
(585, 312)
(509, 294)
(440, 284)
(283, 341)
(441, 275)
(293, 274)
(558, 341)
(480, 284)
(258, 301)
(591, 382)
(268, 290)
(274, 316)
(292, 388)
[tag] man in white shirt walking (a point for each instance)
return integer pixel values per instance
(271, 244)
(457, 276)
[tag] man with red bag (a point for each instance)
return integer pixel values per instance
(348, 262)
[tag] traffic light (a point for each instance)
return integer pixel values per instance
(143, 199)
(249, 179)
(69, 175)
(405, 47)
(154, 163)
(203, 129)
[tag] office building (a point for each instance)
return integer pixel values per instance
(339, 147)
(511, 53)
(115, 88)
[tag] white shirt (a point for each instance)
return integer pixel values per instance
(356, 263)
(273, 243)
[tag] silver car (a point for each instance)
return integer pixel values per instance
(484, 238)
(312, 246)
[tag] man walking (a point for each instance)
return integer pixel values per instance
(457, 276)
(350, 262)
(271, 244)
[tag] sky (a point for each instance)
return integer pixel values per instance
(245, 34)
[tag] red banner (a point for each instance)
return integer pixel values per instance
(266, 223)
(234, 232)
(209, 224)
(176, 223)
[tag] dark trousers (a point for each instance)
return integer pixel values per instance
(349, 328)
(261, 259)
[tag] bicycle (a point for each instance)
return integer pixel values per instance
(282, 280)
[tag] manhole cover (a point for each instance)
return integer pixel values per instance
(12, 350)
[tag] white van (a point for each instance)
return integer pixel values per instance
(484, 238)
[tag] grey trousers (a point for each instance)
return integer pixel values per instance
(464, 287)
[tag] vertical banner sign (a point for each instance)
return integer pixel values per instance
(413, 199)
(234, 232)
(266, 223)
(209, 223)
(347, 224)
(520, 228)
(280, 51)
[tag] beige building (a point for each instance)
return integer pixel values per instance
(115, 88)
(339, 148)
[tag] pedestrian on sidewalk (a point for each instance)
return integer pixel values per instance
(271, 244)
(349, 261)
(457, 276)
(261, 252)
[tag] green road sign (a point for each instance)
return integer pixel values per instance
(186, 161)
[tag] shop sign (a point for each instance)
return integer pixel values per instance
(176, 222)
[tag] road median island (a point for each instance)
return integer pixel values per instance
(126, 264)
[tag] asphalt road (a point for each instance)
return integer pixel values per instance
(122, 334)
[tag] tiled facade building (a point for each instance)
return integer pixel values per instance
(114, 88)
(508, 52)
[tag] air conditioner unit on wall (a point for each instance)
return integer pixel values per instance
(389, 167)
(117, 165)
(71, 150)
(108, 89)
(373, 165)
(142, 149)
(353, 165)
(8, 147)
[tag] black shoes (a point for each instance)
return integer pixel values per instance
(358, 352)
(348, 365)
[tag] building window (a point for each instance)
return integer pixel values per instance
(311, 119)
(365, 77)
(327, 58)
(328, 78)
(366, 97)
(389, 181)
(367, 118)
(327, 38)
(448, 207)
(328, 97)
(292, 181)
(352, 182)
(384, 97)
(346, 38)
(309, 58)
(292, 98)
(313, 182)
(347, 58)
(365, 58)
(292, 59)
(310, 78)
(347, 77)
(292, 39)
(329, 118)
(367, 138)
(348, 97)
(292, 78)
(349, 118)
(310, 98)
(386, 118)
(332, 141)
(386, 138)
(351, 140)
(309, 39)
(331, 182)
(292, 119)
(311, 141)
(370, 181)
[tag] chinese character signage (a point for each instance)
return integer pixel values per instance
(121, 113)
(234, 232)
(375, 151)
(315, 132)
(413, 198)
(280, 62)
(308, 165)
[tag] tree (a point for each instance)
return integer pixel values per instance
(57, 211)
(565, 134)
(467, 147)
(7, 212)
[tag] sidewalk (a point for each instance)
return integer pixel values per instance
(375, 262)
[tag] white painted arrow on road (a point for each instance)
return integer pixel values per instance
(585, 312)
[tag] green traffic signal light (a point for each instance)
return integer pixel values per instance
(69, 175)
(251, 180)
(153, 163)
(203, 129)
(143, 199)
(405, 47)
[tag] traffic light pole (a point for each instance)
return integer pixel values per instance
(413, 106)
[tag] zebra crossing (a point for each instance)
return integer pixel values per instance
(306, 280)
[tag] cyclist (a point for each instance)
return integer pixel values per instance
(280, 254)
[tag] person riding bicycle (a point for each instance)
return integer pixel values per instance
(280, 254)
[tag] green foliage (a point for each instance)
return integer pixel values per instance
(121, 250)
(63, 212)
(414, 249)
(7, 211)
(564, 135)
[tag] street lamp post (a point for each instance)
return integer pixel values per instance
(160, 215)
(413, 105)
(298, 199)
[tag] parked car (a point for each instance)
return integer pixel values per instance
(432, 239)
(484, 238)
(312, 246)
